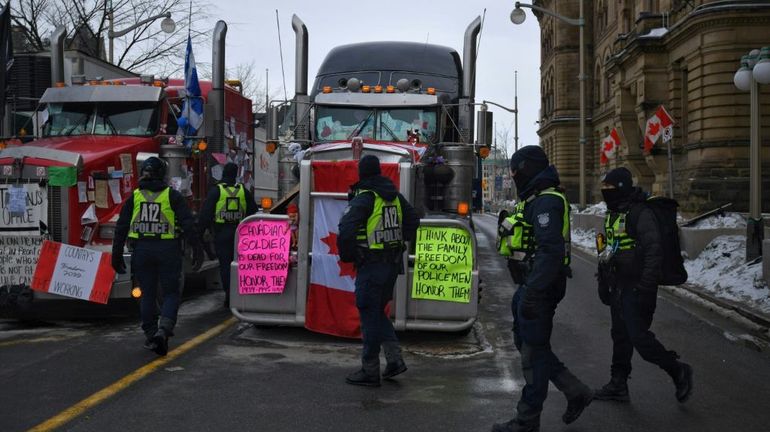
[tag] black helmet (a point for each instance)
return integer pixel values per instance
(154, 168)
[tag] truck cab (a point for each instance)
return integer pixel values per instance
(95, 136)
(409, 104)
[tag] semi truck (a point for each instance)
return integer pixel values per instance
(410, 104)
(95, 136)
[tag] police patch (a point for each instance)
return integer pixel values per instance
(543, 219)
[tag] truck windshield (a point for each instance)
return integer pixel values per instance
(104, 118)
(386, 124)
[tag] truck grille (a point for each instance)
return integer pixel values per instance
(57, 212)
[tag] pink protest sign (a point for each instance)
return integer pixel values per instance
(263, 256)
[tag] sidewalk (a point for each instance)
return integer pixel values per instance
(718, 276)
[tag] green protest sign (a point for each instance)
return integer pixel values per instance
(443, 264)
(62, 176)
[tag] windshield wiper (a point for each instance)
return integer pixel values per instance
(360, 126)
(389, 130)
(106, 120)
(78, 124)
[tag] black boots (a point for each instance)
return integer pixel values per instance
(579, 395)
(363, 378)
(616, 390)
(393, 369)
(159, 342)
(683, 382)
(396, 363)
(576, 405)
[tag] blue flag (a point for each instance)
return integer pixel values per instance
(192, 110)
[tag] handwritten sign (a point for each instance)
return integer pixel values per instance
(18, 258)
(443, 264)
(75, 272)
(22, 208)
(263, 256)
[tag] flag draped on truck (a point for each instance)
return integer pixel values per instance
(331, 301)
(192, 109)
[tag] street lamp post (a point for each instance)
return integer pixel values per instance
(167, 25)
(755, 70)
(517, 17)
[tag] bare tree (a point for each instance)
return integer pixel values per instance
(253, 85)
(146, 48)
(502, 138)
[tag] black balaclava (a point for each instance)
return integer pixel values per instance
(368, 166)
(528, 162)
(229, 172)
(621, 179)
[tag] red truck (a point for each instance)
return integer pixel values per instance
(76, 175)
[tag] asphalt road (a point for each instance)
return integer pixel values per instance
(289, 379)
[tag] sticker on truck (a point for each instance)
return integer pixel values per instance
(22, 208)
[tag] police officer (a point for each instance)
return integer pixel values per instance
(371, 234)
(536, 240)
(150, 219)
(629, 272)
(226, 205)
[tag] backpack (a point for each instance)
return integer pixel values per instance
(672, 264)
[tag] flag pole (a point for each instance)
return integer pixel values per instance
(670, 170)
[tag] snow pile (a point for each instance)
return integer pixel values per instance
(721, 270)
(728, 220)
(594, 209)
(584, 239)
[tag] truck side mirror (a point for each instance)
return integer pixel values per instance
(484, 128)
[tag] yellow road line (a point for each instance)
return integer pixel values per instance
(79, 408)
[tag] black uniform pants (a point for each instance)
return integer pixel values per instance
(158, 263)
(539, 364)
(632, 313)
(224, 237)
(374, 289)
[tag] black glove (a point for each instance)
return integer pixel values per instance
(197, 260)
(517, 271)
(529, 307)
(604, 293)
(603, 286)
(118, 264)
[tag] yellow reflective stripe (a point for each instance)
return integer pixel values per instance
(165, 215)
(616, 232)
(220, 210)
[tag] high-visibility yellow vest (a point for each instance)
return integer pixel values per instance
(384, 227)
(616, 233)
(152, 215)
(518, 241)
(231, 207)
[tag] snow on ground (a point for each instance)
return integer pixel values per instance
(721, 270)
(594, 209)
(584, 239)
(728, 220)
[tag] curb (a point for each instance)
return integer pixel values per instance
(757, 323)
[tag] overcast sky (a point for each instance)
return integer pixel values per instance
(505, 47)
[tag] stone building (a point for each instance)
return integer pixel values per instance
(641, 54)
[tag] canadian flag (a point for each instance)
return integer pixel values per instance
(331, 301)
(610, 146)
(660, 124)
